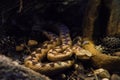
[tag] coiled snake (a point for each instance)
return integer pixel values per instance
(58, 50)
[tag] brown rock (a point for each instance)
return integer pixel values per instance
(115, 77)
(90, 17)
(11, 70)
(114, 21)
(32, 42)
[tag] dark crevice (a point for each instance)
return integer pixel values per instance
(100, 25)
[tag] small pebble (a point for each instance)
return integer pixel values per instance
(76, 66)
(115, 77)
(19, 48)
(90, 78)
(105, 79)
(103, 73)
(32, 42)
(15, 63)
(116, 54)
(63, 76)
(22, 45)
(79, 67)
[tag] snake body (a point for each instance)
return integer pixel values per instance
(40, 53)
(63, 51)
(32, 61)
(58, 50)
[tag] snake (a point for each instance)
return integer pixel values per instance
(63, 51)
(58, 50)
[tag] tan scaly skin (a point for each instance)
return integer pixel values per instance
(58, 50)
(99, 59)
(32, 61)
(63, 51)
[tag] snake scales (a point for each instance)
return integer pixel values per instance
(58, 51)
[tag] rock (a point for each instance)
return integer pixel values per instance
(111, 42)
(19, 48)
(32, 42)
(105, 79)
(11, 70)
(90, 16)
(103, 73)
(114, 21)
(116, 54)
(115, 77)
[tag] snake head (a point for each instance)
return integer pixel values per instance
(88, 43)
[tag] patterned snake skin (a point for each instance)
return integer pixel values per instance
(63, 51)
(58, 50)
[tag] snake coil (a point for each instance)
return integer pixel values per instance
(58, 50)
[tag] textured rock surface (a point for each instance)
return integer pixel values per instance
(114, 19)
(90, 16)
(102, 18)
(11, 70)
